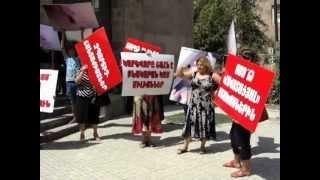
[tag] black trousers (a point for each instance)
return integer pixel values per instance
(240, 141)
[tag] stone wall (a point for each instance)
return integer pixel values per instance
(167, 23)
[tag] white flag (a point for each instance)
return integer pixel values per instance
(232, 45)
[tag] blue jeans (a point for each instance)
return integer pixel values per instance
(72, 91)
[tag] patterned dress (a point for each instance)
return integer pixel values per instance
(146, 112)
(200, 119)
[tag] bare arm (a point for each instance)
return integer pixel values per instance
(216, 77)
(182, 72)
(80, 74)
(79, 77)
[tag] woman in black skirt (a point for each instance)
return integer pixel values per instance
(87, 111)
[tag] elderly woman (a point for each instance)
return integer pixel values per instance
(200, 118)
(87, 112)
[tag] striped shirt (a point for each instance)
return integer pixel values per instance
(85, 88)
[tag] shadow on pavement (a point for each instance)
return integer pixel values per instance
(213, 148)
(65, 145)
(171, 127)
(129, 136)
(266, 168)
(222, 136)
(114, 125)
(265, 145)
(172, 107)
(169, 141)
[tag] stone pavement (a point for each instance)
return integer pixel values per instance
(118, 155)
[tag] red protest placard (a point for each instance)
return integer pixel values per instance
(96, 52)
(243, 91)
(135, 45)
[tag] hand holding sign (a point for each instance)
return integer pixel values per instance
(243, 91)
(95, 52)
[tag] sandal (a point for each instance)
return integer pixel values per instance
(144, 144)
(96, 137)
(203, 150)
(82, 137)
(231, 164)
(152, 144)
(181, 151)
(240, 174)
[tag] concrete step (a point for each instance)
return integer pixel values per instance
(55, 122)
(58, 132)
(58, 111)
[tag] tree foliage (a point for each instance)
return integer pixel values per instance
(212, 19)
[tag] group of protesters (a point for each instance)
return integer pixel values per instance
(147, 112)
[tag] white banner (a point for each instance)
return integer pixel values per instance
(181, 88)
(232, 44)
(146, 74)
(48, 83)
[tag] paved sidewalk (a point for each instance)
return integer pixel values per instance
(118, 156)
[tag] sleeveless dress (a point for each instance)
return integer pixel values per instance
(200, 118)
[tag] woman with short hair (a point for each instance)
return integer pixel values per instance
(200, 118)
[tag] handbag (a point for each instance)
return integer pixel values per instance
(264, 115)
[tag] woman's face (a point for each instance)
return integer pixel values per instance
(201, 68)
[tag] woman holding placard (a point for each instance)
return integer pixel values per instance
(240, 136)
(87, 112)
(200, 118)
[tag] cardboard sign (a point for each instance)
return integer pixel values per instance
(96, 52)
(74, 16)
(49, 38)
(48, 83)
(76, 35)
(146, 74)
(243, 91)
(135, 45)
(181, 88)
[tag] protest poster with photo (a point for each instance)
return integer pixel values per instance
(75, 16)
(49, 38)
(76, 35)
(181, 88)
(243, 91)
(135, 45)
(96, 52)
(48, 83)
(146, 74)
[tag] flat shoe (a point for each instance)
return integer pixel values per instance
(181, 151)
(144, 145)
(82, 137)
(240, 174)
(231, 164)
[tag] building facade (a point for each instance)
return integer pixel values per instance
(165, 23)
(269, 11)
